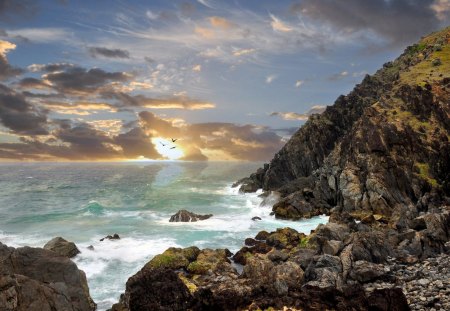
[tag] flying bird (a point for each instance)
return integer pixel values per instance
(162, 144)
(173, 147)
(174, 140)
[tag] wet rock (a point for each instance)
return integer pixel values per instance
(115, 236)
(186, 216)
(62, 247)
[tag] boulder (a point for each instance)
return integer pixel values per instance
(174, 258)
(363, 271)
(33, 278)
(262, 235)
(155, 289)
(186, 216)
(211, 261)
(388, 299)
(277, 279)
(62, 247)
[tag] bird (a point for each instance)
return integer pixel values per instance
(173, 147)
(162, 144)
(174, 140)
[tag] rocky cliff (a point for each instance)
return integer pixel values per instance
(381, 149)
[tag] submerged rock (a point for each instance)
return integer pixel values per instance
(115, 236)
(62, 247)
(186, 216)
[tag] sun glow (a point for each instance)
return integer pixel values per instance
(167, 148)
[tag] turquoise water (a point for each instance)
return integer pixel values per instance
(85, 202)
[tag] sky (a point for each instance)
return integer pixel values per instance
(113, 80)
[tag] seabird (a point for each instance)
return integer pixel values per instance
(162, 144)
(174, 140)
(173, 147)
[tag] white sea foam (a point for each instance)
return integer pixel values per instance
(125, 250)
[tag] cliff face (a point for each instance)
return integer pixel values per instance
(382, 148)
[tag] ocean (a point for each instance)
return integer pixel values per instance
(83, 202)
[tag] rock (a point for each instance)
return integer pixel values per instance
(247, 252)
(332, 247)
(388, 299)
(285, 238)
(33, 278)
(262, 236)
(186, 216)
(250, 242)
(115, 236)
(155, 289)
(174, 258)
(256, 218)
(211, 261)
(62, 247)
(276, 279)
(363, 271)
(277, 256)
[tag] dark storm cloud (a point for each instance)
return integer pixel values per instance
(111, 53)
(32, 83)
(400, 21)
(136, 143)
(12, 9)
(79, 79)
(20, 116)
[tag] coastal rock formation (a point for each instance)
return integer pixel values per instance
(186, 216)
(62, 247)
(39, 279)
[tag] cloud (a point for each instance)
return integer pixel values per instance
(278, 25)
(12, 9)
(441, 8)
(175, 102)
(399, 21)
(338, 76)
(77, 108)
(81, 80)
(19, 115)
(270, 79)
(299, 83)
(109, 53)
(49, 67)
(241, 52)
(136, 143)
(6, 70)
(220, 22)
(42, 35)
(299, 116)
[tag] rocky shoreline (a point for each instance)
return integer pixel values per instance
(377, 163)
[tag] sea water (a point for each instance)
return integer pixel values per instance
(85, 202)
